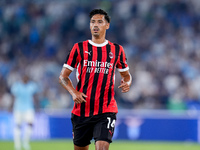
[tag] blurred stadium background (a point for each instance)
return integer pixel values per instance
(161, 40)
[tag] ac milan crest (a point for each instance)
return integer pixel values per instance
(111, 55)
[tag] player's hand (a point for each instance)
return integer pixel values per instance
(124, 85)
(79, 97)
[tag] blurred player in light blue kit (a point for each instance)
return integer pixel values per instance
(23, 110)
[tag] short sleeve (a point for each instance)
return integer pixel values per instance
(35, 87)
(122, 61)
(72, 58)
(14, 88)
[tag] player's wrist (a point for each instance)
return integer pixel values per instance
(130, 81)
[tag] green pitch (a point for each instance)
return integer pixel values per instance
(116, 145)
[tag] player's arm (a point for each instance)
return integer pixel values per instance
(10, 109)
(36, 102)
(65, 81)
(126, 81)
(13, 91)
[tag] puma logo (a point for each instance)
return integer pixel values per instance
(110, 132)
(88, 52)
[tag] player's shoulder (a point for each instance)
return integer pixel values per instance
(17, 83)
(81, 42)
(115, 44)
(80, 45)
(31, 83)
(118, 46)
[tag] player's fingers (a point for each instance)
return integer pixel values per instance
(124, 84)
(124, 91)
(84, 95)
(125, 88)
(81, 99)
(121, 86)
(76, 101)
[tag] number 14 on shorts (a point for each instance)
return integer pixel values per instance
(111, 123)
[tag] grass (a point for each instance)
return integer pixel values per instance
(116, 145)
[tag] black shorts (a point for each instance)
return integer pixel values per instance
(100, 127)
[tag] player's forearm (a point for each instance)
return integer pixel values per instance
(127, 77)
(67, 84)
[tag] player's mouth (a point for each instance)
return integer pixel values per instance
(96, 29)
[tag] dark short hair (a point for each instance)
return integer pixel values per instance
(101, 12)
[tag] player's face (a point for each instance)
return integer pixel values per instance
(25, 79)
(98, 25)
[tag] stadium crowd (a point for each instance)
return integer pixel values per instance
(160, 37)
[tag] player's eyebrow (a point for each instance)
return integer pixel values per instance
(96, 20)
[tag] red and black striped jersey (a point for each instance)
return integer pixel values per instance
(96, 64)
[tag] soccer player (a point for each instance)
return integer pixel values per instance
(23, 110)
(94, 111)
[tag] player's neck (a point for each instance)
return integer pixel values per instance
(98, 40)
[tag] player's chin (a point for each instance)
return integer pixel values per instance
(95, 34)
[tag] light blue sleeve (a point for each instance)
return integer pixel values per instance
(14, 88)
(35, 88)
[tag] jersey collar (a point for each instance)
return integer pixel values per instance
(98, 45)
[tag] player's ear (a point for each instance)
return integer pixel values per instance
(107, 25)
